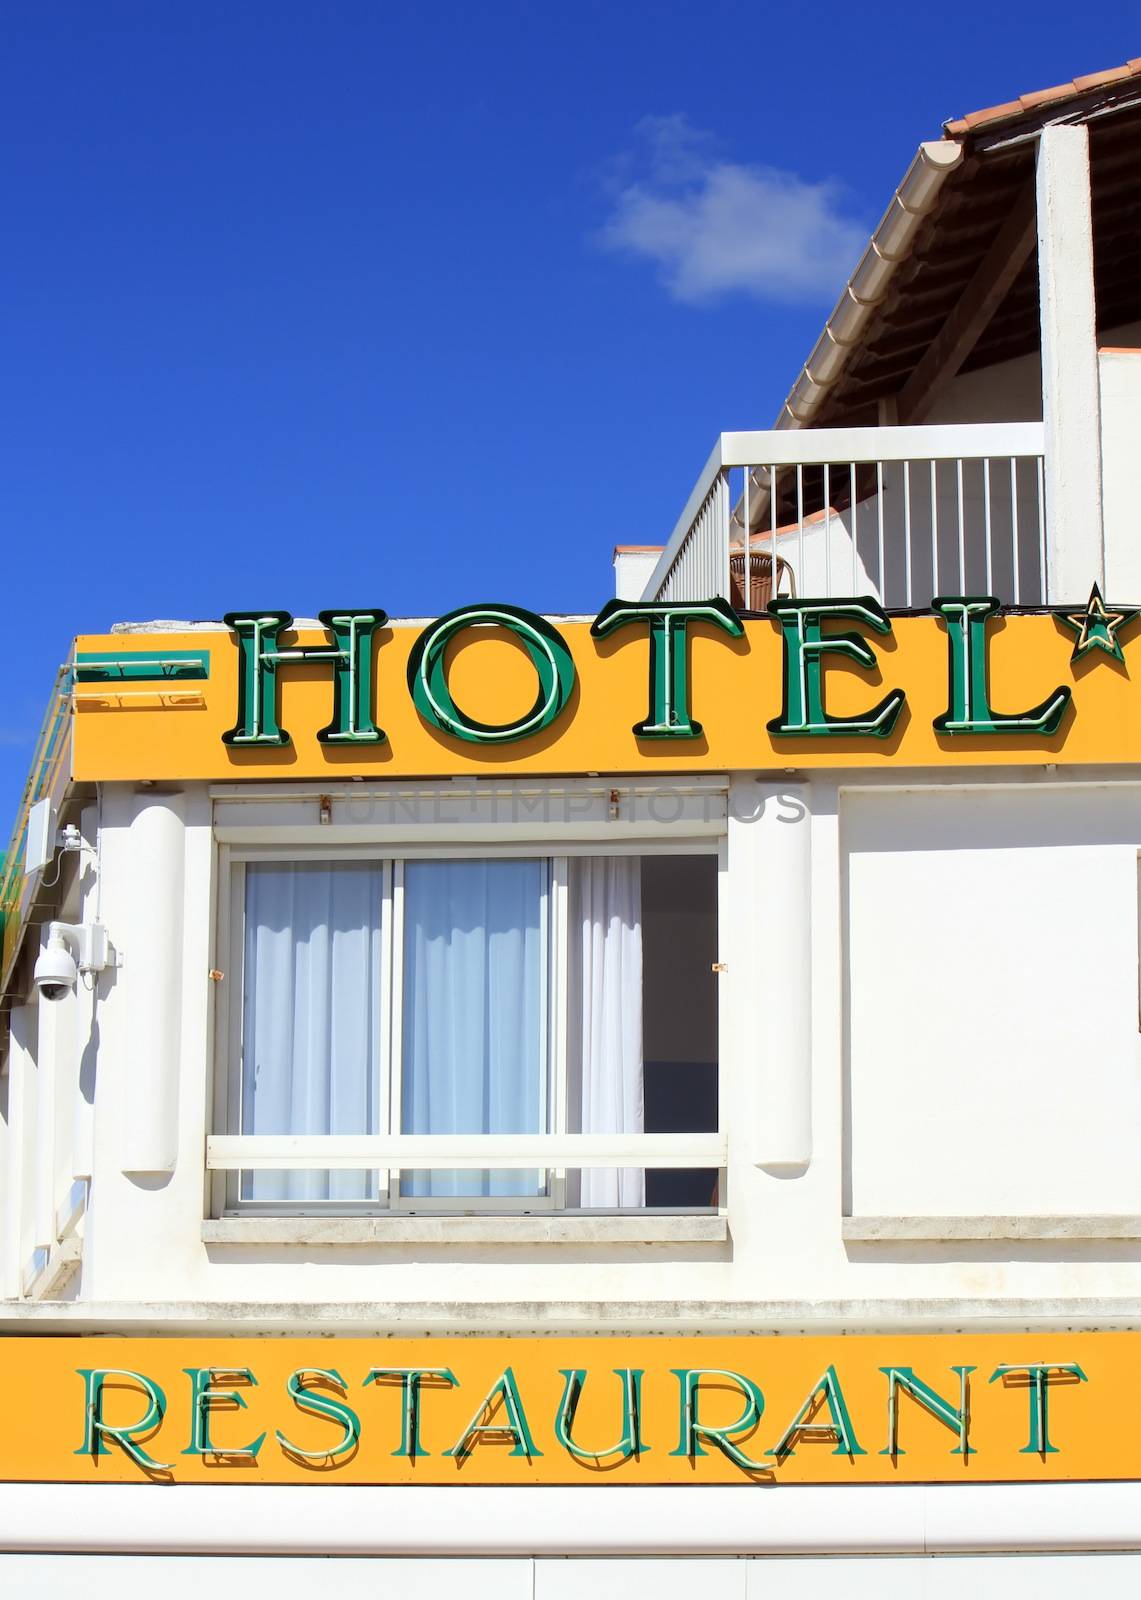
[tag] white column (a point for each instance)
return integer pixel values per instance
(87, 1020)
(19, 1198)
(8, 1153)
(1070, 395)
(51, 1039)
(70, 1026)
(11, 1207)
(633, 568)
(152, 973)
(780, 977)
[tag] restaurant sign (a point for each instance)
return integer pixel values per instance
(768, 1410)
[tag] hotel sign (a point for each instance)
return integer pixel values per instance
(495, 689)
(766, 1410)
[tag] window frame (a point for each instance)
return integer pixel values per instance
(223, 1187)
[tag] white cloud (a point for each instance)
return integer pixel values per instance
(715, 227)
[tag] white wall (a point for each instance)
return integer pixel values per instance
(994, 1056)
(1001, 1538)
(1120, 373)
(1009, 391)
(1115, 1577)
(987, 1063)
(633, 567)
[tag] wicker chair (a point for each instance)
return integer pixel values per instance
(761, 588)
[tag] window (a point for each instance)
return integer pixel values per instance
(463, 995)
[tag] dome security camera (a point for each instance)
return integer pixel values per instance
(71, 949)
(55, 972)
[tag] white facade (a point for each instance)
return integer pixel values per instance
(863, 1054)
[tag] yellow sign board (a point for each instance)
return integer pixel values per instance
(945, 1408)
(170, 707)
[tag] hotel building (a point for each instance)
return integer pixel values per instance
(457, 1068)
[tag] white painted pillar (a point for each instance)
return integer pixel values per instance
(633, 568)
(80, 1154)
(782, 979)
(87, 1019)
(19, 1194)
(52, 1015)
(70, 1030)
(1070, 393)
(7, 1154)
(9, 1187)
(152, 973)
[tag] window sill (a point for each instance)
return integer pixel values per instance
(948, 1230)
(398, 1230)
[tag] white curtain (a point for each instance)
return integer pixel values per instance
(606, 1018)
(474, 1011)
(311, 1021)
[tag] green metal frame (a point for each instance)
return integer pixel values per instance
(43, 778)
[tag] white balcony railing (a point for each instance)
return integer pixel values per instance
(436, 1152)
(903, 514)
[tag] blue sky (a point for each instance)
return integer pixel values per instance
(315, 302)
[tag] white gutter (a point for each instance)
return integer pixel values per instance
(890, 244)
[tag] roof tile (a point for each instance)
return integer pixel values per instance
(974, 119)
(1094, 80)
(1042, 97)
(958, 126)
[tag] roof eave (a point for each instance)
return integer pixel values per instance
(890, 244)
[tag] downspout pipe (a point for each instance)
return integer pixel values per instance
(890, 244)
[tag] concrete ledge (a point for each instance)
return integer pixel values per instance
(894, 1230)
(311, 1231)
(682, 1520)
(465, 1318)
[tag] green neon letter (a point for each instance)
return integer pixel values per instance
(630, 1443)
(352, 631)
(302, 1391)
(259, 656)
(825, 1391)
(957, 1419)
(410, 1380)
(669, 713)
(692, 1432)
(96, 1432)
(1037, 1375)
(968, 703)
(803, 714)
(546, 647)
(503, 1392)
(205, 1398)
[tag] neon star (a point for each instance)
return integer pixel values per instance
(1096, 627)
